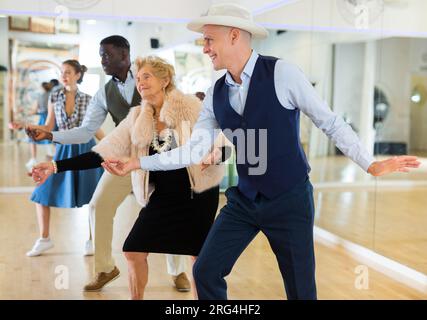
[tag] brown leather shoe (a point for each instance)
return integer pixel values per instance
(101, 279)
(182, 284)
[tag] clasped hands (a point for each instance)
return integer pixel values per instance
(41, 172)
(122, 167)
(38, 133)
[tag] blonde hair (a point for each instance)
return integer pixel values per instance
(161, 69)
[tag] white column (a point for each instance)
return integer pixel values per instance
(4, 54)
(366, 129)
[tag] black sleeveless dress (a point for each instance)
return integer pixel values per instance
(175, 220)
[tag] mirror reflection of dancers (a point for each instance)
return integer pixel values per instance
(66, 110)
(40, 109)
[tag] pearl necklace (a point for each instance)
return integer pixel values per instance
(167, 141)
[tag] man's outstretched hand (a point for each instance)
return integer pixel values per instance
(395, 164)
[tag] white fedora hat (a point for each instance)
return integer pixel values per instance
(229, 15)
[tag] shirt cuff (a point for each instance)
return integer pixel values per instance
(56, 137)
(365, 163)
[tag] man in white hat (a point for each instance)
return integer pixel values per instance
(259, 99)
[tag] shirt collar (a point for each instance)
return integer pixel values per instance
(128, 77)
(62, 91)
(247, 71)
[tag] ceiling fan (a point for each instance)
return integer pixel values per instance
(362, 13)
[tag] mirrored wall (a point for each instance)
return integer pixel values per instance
(378, 84)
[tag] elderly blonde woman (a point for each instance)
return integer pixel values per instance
(179, 206)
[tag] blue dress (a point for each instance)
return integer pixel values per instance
(69, 189)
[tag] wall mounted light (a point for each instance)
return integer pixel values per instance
(419, 95)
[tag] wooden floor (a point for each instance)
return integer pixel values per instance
(391, 222)
(255, 275)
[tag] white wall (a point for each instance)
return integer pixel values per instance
(348, 78)
(3, 41)
(404, 19)
(418, 69)
(4, 45)
(142, 10)
(418, 56)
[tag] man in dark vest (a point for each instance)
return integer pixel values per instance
(116, 98)
(257, 105)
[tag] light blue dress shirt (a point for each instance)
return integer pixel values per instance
(96, 114)
(293, 90)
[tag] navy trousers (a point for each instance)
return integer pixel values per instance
(287, 222)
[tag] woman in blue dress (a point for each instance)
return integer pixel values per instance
(70, 189)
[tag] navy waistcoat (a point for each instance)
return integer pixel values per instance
(281, 152)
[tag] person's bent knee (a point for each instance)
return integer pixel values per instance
(200, 271)
(135, 256)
